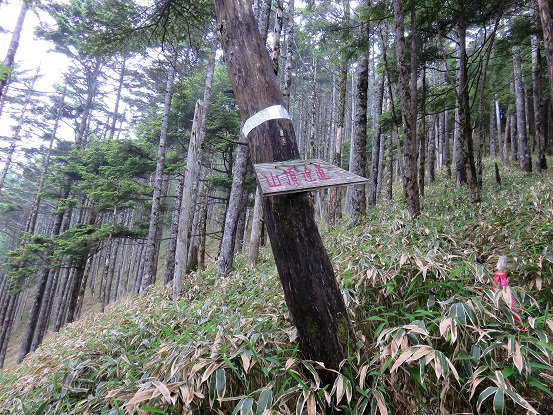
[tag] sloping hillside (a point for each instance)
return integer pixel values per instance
(433, 336)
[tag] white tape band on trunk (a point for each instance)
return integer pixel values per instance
(270, 113)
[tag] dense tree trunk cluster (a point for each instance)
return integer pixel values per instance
(137, 171)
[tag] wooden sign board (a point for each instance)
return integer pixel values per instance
(302, 176)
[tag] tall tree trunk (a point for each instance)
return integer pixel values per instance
(499, 132)
(547, 28)
(289, 47)
(192, 165)
(421, 134)
(408, 112)
(92, 76)
(377, 146)
(277, 32)
(334, 198)
(191, 177)
(541, 161)
(264, 17)
(115, 114)
(13, 46)
(172, 244)
(465, 129)
(310, 288)
(524, 160)
(358, 152)
(226, 253)
(150, 263)
(257, 227)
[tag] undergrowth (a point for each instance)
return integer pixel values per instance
(434, 334)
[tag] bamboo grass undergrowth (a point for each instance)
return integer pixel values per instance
(432, 332)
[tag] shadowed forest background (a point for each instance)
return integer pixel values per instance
(127, 195)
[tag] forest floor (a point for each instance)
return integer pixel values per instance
(433, 335)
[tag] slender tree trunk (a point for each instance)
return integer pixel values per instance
(13, 46)
(432, 149)
(194, 149)
(191, 177)
(408, 113)
(310, 288)
(525, 162)
(263, 18)
(257, 226)
(541, 161)
(172, 244)
(226, 254)
(150, 263)
(421, 134)
(277, 32)
(358, 152)
(92, 76)
(334, 198)
(547, 28)
(499, 132)
(377, 148)
(465, 128)
(115, 114)
(289, 48)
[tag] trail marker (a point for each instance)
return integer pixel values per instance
(295, 176)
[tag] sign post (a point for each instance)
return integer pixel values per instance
(295, 176)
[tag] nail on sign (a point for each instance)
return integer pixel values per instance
(301, 176)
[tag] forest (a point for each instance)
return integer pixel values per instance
(142, 270)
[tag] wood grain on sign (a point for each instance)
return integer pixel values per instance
(302, 175)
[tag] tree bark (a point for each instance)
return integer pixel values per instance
(192, 165)
(150, 263)
(541, 161)
(547, 28)
(226, 253)
(408, 113)
(310, 288)
(524, 160)
(13, 46)
(288, 61)
(358, 152)
(465, 128)
(377, 148)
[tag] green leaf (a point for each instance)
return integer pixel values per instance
(537, 384)
(247, 406)
(220, 383)
(152, 410)
(485, 394)
(508, 371)
(265, 401)
(499, 401)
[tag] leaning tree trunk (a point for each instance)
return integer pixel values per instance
(310, 288)
(12, 48)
